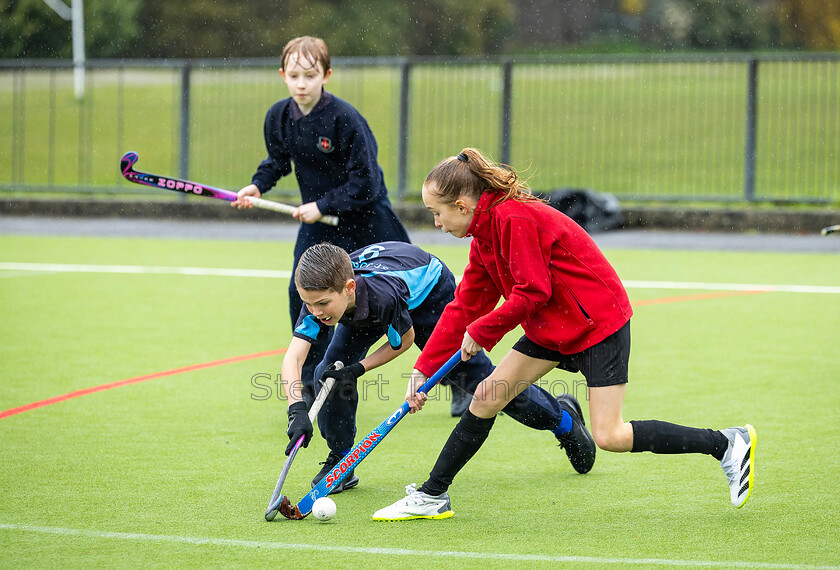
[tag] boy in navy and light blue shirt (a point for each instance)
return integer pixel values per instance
(393, 290)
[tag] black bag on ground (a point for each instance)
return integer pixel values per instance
(592, 211)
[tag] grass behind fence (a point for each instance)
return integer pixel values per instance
(638, 130)
(650, 130)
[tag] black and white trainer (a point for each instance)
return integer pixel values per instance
(578, 443)
(416, 505)
(738, 462)
(350, 481)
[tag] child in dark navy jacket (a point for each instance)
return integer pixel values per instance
(335, 161)
(393, 290)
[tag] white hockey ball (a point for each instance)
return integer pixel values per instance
(323, 509)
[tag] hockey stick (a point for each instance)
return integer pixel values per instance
(177, 185)
(274, 503)
(359, 451)
(830, 229)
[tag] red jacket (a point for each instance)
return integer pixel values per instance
(556, 283)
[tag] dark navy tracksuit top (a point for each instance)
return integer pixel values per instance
(335, 162)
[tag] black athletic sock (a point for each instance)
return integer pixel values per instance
(464, 441)
(663, 437)
(535, 408)
(721, 443)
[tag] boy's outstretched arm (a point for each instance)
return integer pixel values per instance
(386, 353)
(290, 372)
(299, 422)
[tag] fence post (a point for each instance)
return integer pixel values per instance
(18, 124)
(402, 136)
(507, 87)
(750, 138)
(185, 121)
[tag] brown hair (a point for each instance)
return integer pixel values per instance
(322, 267)
(471, 174)
(307, 48)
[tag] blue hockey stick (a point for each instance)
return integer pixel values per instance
(358, 453)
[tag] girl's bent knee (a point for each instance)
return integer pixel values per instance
(614, 441)
(482, 409)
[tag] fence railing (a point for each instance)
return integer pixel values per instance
(723, 127)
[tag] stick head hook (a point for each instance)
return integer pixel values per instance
(290, 511)
(285, 507)
(127, 161)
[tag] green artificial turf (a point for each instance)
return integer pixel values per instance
(176, 471)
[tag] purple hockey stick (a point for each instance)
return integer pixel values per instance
(188, 187)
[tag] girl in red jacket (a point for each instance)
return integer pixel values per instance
(574, 310)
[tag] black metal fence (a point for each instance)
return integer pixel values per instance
(695, 128)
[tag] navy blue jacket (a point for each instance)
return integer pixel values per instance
(335, 162)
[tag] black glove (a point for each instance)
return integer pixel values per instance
(349, 373)
(299, 425)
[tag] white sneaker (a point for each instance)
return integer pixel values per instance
(416, 505)
(738, 462)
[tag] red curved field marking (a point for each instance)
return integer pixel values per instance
(86, 391)
(694, 297)
(173, 372)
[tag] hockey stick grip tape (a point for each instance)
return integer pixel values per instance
(286, 209)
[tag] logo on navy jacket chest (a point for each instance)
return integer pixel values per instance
(325, 144)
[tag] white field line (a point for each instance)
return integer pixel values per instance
(144, 269)
(731, 287)
(270, 274)
(408, 553)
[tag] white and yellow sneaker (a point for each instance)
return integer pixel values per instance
(738, 462)
(416, 505)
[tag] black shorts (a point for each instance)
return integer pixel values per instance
(604, 364)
